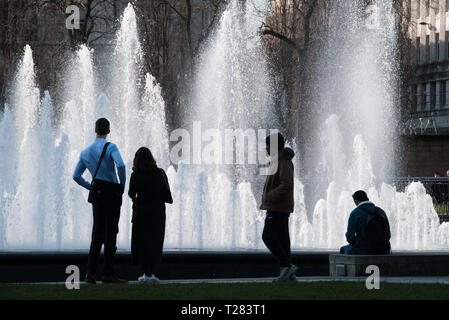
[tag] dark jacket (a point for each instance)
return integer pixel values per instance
(150, 188)
(278, 190)
(149, 192)
(356, 232)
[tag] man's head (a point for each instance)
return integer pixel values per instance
(359, 196)
(102, 127)
(436, 175)
(272, 139)
(447, 173)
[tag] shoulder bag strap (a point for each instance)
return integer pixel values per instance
(101, 159)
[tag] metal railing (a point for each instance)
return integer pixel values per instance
(437, 188)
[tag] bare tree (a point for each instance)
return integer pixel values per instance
(174, 32)
(291, 33)
(295, 34)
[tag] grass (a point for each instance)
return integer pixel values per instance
(230, 291)
(441, 208)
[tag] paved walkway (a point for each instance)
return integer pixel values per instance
(408, 280)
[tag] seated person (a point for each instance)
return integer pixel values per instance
(368, 228)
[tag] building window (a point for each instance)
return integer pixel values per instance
(442, 94)
(420, 96)
(433, 94)
(447, 44)
(447, 5)
(418, 9)
(427, 4)
(427, 59)
(436, 6)
(414, 97)
(418, 49)
(437, 46)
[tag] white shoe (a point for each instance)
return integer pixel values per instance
(287, 273)
(153, 279)
(291, 273)
(144, 279)
(282, 274)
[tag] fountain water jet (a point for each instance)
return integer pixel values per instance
(213, 208)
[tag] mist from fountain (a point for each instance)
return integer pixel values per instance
(358, 93)
(214, 204)
(42, 208)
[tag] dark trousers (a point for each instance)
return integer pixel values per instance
(148, 268)
(106, 215)
(276, 236)
(345, 249)
(147, 238)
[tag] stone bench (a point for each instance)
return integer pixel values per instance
(401, 264)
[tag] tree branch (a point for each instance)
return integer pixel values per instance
(271, 32)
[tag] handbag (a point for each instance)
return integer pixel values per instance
(93, 192)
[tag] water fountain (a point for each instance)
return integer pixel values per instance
(357, 93)
(215, 207)
(41, 207)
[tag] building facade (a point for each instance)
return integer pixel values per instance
(430, 100)
(426, 130)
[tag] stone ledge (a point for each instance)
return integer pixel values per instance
(183, 264)
(393, 265)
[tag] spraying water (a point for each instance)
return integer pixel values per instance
(41, 207)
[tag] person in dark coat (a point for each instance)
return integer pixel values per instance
(357, 232)
(149, 191)
(277, 199)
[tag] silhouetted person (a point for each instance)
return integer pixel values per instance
(277, 199)
(149, 191)
(368, 228)
(106, 197)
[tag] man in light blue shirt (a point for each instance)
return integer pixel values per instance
(89, 159)
(106, 207)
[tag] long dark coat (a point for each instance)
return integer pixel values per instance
(149, 191)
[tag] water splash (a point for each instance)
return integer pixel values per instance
(232, 79)
(127, 61)
(42, 208)
(151, 121)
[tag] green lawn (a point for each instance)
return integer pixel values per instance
(231, 291)
(441, 208)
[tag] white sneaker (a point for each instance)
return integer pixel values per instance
(287, 273)
(291, 273)
(282, 274)
(153, 279)
(144, 279)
